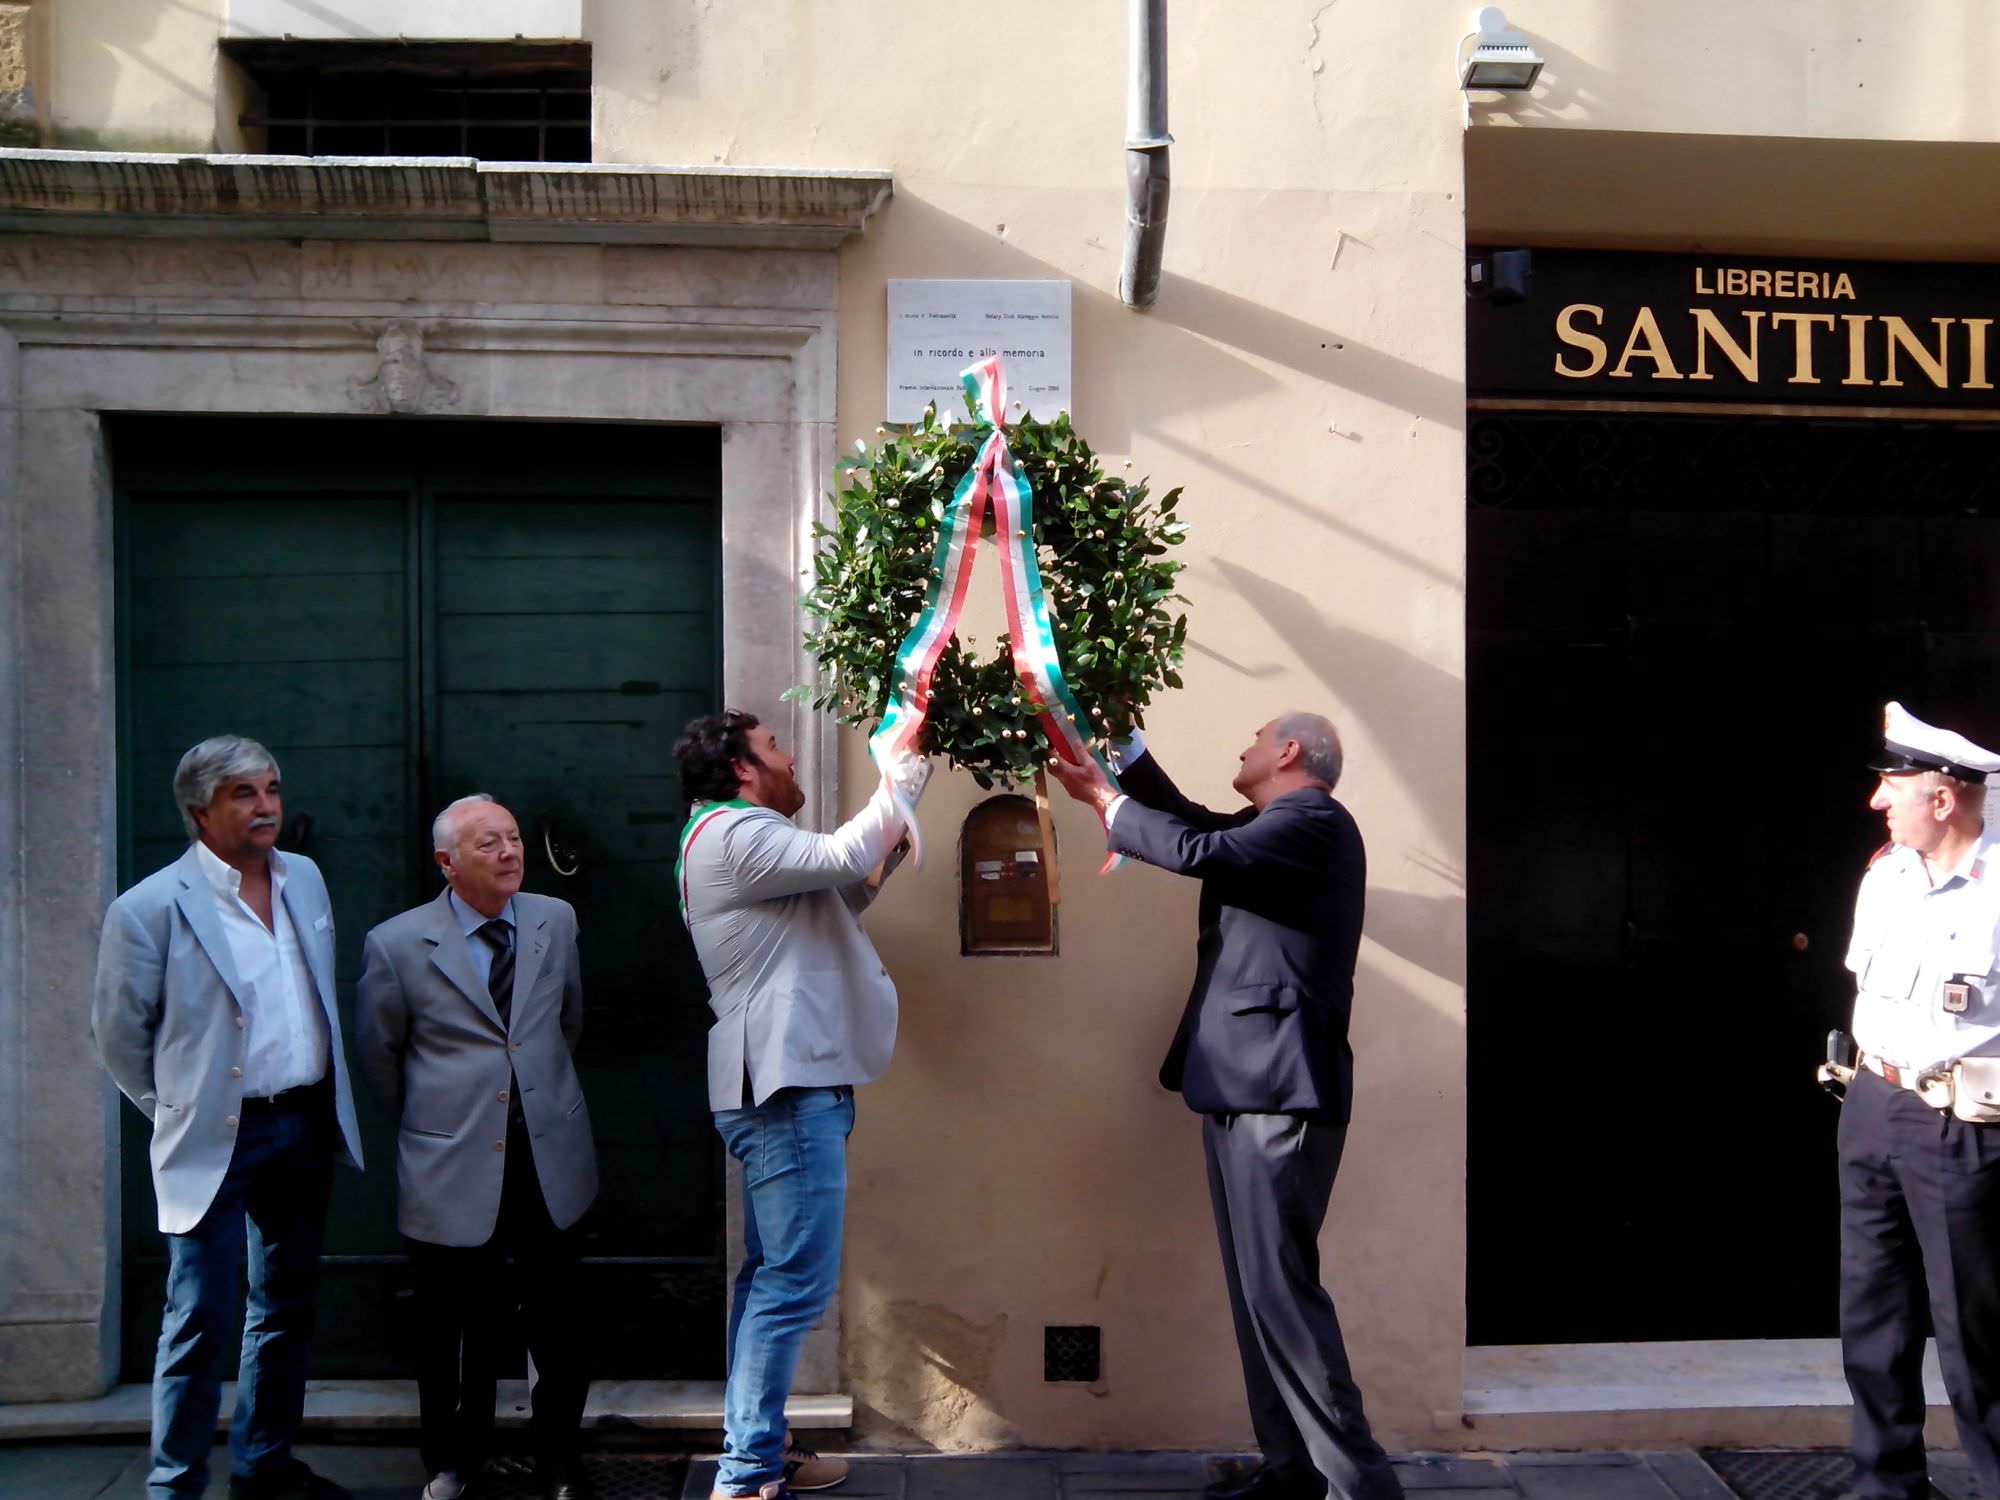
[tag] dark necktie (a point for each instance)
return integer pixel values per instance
(499, 936)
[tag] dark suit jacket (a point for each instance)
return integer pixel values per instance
(1265, 1029)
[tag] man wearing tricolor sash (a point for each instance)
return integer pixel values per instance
(804, 1012)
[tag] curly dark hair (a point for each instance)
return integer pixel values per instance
(708, 751)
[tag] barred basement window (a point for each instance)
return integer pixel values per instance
(498, 101)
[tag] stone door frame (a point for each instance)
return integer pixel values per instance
(90, 324)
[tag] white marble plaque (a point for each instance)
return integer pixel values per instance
(937, 328)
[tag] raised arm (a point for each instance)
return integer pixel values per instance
(1142, 779)
(768, 856)
(1280, 838)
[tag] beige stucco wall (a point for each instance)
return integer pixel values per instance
(1301, 376)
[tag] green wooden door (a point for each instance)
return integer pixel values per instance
(404, 613)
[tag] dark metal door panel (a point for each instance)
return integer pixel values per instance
(405, 612)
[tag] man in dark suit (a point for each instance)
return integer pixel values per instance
(467, 1012)
(1262, 1055)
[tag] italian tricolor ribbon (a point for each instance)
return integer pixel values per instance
(994, 479)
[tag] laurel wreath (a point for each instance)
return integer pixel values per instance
(1102, 547)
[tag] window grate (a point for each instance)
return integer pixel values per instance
(503, 103)
(1072, 1352)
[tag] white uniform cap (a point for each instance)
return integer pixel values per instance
(1909, 744)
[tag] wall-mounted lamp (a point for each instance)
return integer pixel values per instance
(1501, 59)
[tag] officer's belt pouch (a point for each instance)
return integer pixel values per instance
(1975, 1090)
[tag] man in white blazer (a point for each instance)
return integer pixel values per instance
(468, 1011)
(214, 1013)
(804, 1011)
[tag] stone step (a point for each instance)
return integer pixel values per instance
(391, 1405)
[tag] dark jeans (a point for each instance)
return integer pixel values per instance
(272, 1201)
(465, 1301)
(1919, 1242)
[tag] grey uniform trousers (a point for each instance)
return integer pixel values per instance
(1269, 1180)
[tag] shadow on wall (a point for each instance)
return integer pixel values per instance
(950, 1354)
(1568, 92)
(1214, 342)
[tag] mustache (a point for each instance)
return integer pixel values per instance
(256, 823)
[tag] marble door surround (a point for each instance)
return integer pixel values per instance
(214, 285)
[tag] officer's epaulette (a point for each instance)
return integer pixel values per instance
(1876, 857)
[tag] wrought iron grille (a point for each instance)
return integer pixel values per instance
(1760, 1475)
(1072, 1352)
(613, 1476)
(503, 102)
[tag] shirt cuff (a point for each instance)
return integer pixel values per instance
(1111, 812)
(1127, 750)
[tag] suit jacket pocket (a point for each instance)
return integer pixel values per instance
(1276, 1000)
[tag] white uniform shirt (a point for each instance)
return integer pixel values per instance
(285, 1036)
(1911, 939)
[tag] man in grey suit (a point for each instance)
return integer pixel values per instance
(214, 1014)
(468, 1011)
(1262, 1055)
(804, 1011)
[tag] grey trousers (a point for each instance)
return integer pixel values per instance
(1269, 1179)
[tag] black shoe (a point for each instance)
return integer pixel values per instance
(567, 1482)
(291, 1480)
(1267, 1483)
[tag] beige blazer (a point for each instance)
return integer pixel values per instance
(167, 1018)
(801, 999)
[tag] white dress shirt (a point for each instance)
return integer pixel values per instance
(285, 1035)
(1911, 940)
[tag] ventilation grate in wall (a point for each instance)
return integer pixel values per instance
(1072, 1352)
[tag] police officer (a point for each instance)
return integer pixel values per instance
(1919, 1171)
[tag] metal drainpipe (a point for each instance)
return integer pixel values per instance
(1146, 143)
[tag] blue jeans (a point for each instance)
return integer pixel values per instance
(794, 1153)
(276, 1185)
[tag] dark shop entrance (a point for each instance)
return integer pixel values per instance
(1681, 630)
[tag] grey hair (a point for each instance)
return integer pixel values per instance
(203, 770)
(444, 837)
(1319, 745)
(1971, 795)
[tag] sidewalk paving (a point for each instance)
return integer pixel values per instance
(117, 1471)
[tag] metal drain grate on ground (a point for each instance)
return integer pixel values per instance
(1759, 1475)
(615, 1476)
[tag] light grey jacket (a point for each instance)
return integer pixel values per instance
(429, 1041)
(801, 999)
(167, 1017)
